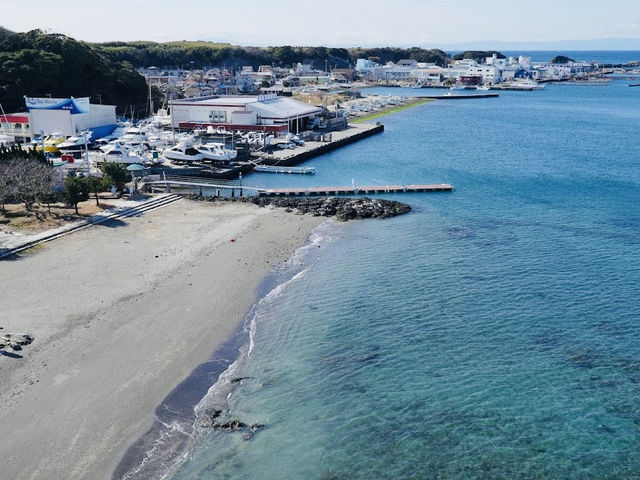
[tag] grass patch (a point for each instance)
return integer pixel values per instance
(398, 108)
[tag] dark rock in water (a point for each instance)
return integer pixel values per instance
(209, 416)
(237, 379)
(231, 426)
(343, 208)
(255, 427)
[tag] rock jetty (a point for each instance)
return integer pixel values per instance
(343, 208)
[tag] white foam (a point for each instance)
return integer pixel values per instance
(219, 392)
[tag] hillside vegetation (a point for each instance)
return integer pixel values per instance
(39, 64)
(201, 54)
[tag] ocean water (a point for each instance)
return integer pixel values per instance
(600, 56)
(492, 333)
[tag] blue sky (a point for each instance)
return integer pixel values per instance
(427, 23)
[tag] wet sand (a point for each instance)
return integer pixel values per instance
(121, 314)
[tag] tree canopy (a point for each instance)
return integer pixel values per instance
(202, 54)
(39, 64)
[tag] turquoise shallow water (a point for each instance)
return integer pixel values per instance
(492, 333)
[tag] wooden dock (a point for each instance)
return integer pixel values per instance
(364, 190)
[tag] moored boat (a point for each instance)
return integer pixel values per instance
(76, 143)
(216, 152)
(182, 152)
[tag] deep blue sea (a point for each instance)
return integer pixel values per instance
(492, 333)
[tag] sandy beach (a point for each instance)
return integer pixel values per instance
(121, 313)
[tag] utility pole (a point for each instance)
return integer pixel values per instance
(86, 152)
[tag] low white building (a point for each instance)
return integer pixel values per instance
(16, 125)
(69, 116)
(250, 112)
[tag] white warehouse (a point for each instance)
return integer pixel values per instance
(268, 112)
(69, 116)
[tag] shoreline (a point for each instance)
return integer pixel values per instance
(183, 406)
(126, 326)
(410, 103)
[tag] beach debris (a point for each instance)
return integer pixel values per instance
(15, 341)
(232, 240)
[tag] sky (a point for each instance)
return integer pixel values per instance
(348, 23)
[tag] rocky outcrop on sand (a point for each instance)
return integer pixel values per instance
(15, 341)
(343, 208)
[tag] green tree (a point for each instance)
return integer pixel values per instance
(117, 174)
(98, 185)
(76, 190)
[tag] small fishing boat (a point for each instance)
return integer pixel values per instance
(280, 169)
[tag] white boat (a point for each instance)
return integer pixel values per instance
(6, 140)
(182, 152)
(483, 87)
(133, 137)
(76, 143)
(524, 85)
(160, 139)
(118, 153)
(216, 152)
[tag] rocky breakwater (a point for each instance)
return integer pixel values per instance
(343, 208)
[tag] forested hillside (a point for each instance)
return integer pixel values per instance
(39, 64)
(202, 54)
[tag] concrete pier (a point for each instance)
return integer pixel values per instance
(312, 149)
